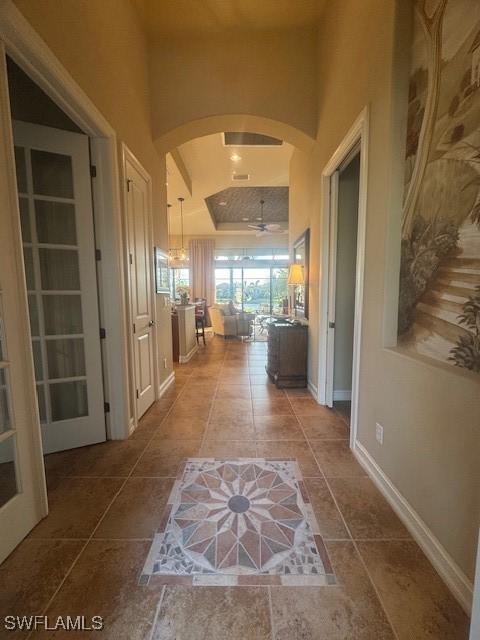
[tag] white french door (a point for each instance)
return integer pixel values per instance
(55, 203)
(23, 499)
(141, 295)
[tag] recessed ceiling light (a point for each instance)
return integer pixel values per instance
(257, 218)
(235, 157)
(222, 203)
(245, 219)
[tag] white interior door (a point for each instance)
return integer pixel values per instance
(23, 500)
(55, 202)
(332, 279)
(140, 248)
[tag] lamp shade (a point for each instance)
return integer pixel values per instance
(295, 274)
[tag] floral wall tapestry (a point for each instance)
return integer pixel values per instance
(439, 305)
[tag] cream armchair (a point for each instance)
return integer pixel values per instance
(224, 323)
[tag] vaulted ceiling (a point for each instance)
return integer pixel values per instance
(203, 170)
(237, 205)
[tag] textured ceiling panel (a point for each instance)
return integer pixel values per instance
(236, 203)
(245, 138)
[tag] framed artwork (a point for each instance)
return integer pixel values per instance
(162, 275)
(301, 255)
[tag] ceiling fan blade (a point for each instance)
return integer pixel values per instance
(276, 232)
(273, 227)
(253, 226)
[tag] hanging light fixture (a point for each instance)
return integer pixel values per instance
(183, 253)
(177, 253)
(170, 250)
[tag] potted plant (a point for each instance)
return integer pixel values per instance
(184, 292)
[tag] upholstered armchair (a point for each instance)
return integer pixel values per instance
(225, 323)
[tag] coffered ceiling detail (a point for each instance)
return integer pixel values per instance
(242, 205)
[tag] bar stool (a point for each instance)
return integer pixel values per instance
(200, 319)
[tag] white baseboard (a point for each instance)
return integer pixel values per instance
(342, 395)
(452, 575)
(165, 384)
(313, 390)
(189, 356)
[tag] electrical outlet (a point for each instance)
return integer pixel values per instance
(164, 363)
(379, 433)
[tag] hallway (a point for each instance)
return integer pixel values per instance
(106, 503)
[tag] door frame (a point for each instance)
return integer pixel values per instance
(29, 51)
(30, 474)
(357, 136)
(129, 157)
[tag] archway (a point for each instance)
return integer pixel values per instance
(234, 122)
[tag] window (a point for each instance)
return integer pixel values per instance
(259, 290)
(179, 277)
(254, 279)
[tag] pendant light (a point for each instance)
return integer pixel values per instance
(183, 253)
(170, 250)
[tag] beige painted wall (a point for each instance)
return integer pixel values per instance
(270, 74)
(235, 241)
(431, 416)
(102, 46)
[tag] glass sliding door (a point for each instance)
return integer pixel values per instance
(254, 289)
(223, 285)
(257, 291)
(279, 288)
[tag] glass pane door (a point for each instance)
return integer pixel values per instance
(256, 290)
(8, 471)
(58, 244)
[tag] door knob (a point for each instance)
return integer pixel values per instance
(331, 325)
(151, 323)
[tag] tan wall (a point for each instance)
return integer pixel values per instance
(430, 415)
(269, 74)
(102, 46)
(234, 241)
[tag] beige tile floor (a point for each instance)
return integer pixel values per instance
(106, 501)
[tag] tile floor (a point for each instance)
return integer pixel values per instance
(106, 502)
(239, 522)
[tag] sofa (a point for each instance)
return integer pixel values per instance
(228, 321)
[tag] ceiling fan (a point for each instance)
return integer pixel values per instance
(262, 228)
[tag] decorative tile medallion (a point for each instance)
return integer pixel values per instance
(239, 522)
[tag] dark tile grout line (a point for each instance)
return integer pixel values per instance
(256, 441)
(362, 561)
(90, 538)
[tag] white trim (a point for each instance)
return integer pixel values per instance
(129, 159)
(475, 623)
(24, 510)
(450, 572)
(162, 389)
(31, 53)
(358, 133)
(313, 389)
(189, 356)
(342, 395)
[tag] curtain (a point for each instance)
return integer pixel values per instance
(202, 269)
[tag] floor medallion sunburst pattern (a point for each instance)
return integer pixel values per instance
(244, 521)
